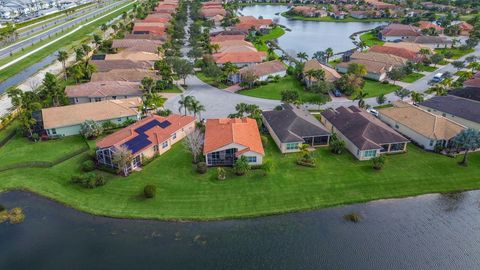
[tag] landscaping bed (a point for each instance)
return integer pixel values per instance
(210, 80)
(412, 77)
(457, 53)
(183, 194)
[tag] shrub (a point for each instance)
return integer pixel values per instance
(88, 166)
(353, 217)
(89, 180)
(100, 180)
(90, 129)
(221, 173)
(264, 140)
(109, 125)
(202, 167)
(2, 208)
(150, 191)
(336, 146)
(241, 166)
(378, 162)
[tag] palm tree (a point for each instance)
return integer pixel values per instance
(362, 45)
(467, 140)
(160, 51)
(62, 57)
(147, 84)
(230, 69)
(197, 108)
(416, 97)
(361, 98)
(447, 82)
(454, 42)
(103, 27)
(474, 66)
(328, 53)
(310, 74)
(302, 56)
(425, 51)
(184, 103)
(320, 56)
(214, 47)
(438, 89)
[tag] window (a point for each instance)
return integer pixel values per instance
(155, 148)
(165, 144)
(252, 159)
(76, 100)
(174, 136)
(114, 97)
(54, 131)
(396, 126)
(369, 153)
(97, 99)
(292, 146)
(431, 142)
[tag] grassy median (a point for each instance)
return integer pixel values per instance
(183, 194)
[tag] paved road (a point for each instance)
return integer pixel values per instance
(4, 52)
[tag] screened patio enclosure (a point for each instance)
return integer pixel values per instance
(222, 158)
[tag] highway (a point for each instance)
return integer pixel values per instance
(6, 51)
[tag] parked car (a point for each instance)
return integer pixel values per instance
(437, 78)
(372, 112)
(336, 93)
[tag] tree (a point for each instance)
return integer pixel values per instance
(381, 99)
(150, 191)
(471, 58)
(53, 90)
(474, 66)
(122, 157)
(302, 56)
(62, 57)
(290, 96)
(103, 27)
(26, 103)
(358, 70)
(90, 129)
(241, 166)
(349, 84)
(76, 72)
(320, 56)
(194, 143)
(416, 97)
(362, 45)
(196, 107)
(182, 68)
(437, 58)
(152, 101)
(425, 51)
(97, 40)
(402, 93)
(378, 162)
(229, 68)
(361, 98)
(467, 140)
(458, 64)
(438, 89)
(396, 74)
(147, 84)
(184, 103)
(79, 54)
(249, 78)
(328, 53)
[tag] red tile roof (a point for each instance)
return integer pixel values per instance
(404, 53)
(222, 38)
(156, 135)
(225, 131)
(104, 89)
(395, 29)
(239, 57)
(428, 25)
(265, 68)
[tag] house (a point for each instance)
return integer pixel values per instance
(67, 120)
(240, 59)
(400, 52)
(149, 137)
(359, 14)
(249, 22)
(309, 11)
(430, 41)
(465, 28)
(364, 135)
(395, 32)
(261, 71)
(133, 56)
(375, 70)
(222, 38)
(227, 139)
(426, 129)
(137, 45)
(292, 127)
(388, 59)
(339, 15)
(107, 65)
(425, 25)
(414, 47)
(126, 75)
(468, 93)
(101, 91)
(461, 110)
(155, 19)
(331, 75)
(149, 29)
(472, 83)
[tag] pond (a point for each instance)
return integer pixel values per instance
(426, 232)
(310, 36)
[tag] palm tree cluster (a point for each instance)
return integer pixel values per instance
(189, 104)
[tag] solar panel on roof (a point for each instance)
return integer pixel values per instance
(141, 140)
(98, 57)
(164, 124)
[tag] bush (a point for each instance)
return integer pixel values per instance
(88, 166)
(109, 125)
(89, 180)
(221, 173)
(353, 217)
(336, 146)
(202, 167)
(150, 191)
(2, 208)
(378, 162)
(241, 166)
(264, 140)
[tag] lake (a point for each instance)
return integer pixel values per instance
(426, 232)
(310, 36)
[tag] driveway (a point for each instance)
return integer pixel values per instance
(218, 103)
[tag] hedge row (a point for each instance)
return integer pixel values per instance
(7, 138)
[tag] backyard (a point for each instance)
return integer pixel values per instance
(375, 88)
(183, 194)
(274, 90)
(370, 39)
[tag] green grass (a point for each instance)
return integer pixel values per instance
(46, 17)
(174, 89)
(273, 90)
(412, 77)
(210, 80)
(20, 149)
(67, 42)
(370, 39)
(374, 88)
(383, 106)
(182, 194)
(4, 132)
(428, 68)
(457, 53)
(331, 19)
(276, 32)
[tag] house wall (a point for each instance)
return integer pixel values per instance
(265, 78)
(370, 75)
(75, 129)
(239, 148)
(281, 146)
(360, 155)
(425, 142)
(78, 100)
(459, 120)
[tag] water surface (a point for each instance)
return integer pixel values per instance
(427, 232)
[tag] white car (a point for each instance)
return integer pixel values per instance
(373, 112)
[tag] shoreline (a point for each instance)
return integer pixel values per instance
(234, 217)
(329, 19)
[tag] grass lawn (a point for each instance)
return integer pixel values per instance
(4, 132)
(274, 90)
(383, 106)
(174, 89)
(331, 19)
(276, 32)
(370, 39)
(210, 80)
(49, 16)
(428, 68)
(374, 88)
(412, 77)
(182, 194)
(457, 53)
(20, 149)
(67, 43)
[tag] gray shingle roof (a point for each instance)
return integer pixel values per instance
(460, 107)
(468, 93)
(292, 124)
(362, 129)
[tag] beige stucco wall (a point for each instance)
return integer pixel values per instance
(75, 129)
(281, 146)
